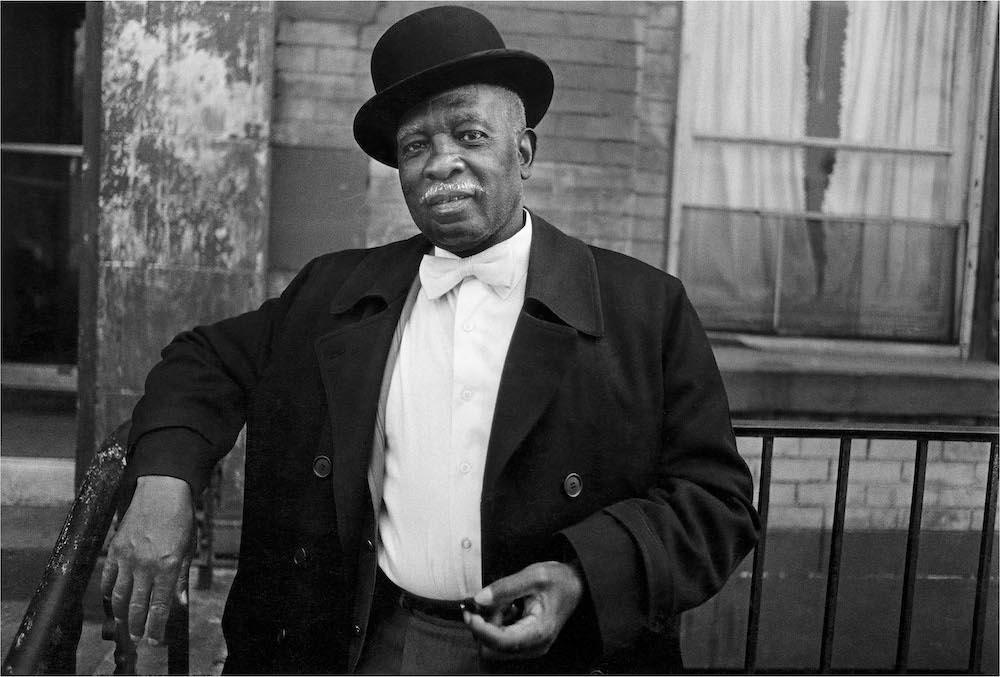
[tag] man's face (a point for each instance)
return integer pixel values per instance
(462, 157)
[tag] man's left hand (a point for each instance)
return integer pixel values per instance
(549, 593)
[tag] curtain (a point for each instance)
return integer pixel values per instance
(907, 81)
(748, 78)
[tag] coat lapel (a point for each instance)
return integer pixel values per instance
(352, 361)
(561, 301)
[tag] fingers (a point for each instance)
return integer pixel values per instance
(160, 601)
(138, 607)
(143, 602)
(154, 537)
(184, 579)
(544, 595)
(510, 588)
(121, 595)
(520, 641)
(108, 576)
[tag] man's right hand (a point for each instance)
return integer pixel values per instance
(150, 552)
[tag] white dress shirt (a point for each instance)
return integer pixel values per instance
(437, 419)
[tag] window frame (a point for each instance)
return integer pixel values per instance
(968, 245)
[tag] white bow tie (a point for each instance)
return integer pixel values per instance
(495, 267)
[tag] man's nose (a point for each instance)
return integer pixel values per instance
(445, 160)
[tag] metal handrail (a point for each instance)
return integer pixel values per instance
(47, 638)
(865, 431)
(46, 641)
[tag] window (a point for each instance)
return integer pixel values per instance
(42, 129)
(823, 167)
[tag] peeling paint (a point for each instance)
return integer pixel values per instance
(187, 118)
(185, 178)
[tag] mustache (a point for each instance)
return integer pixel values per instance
(439, 190)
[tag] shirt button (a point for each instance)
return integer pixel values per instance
(465, 467)
(356, 630)
(300, 556)
(466, 544)
(468, 326)
(321, 466)
(572, 485)
(466, 394)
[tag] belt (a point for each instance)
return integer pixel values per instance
(449, 610)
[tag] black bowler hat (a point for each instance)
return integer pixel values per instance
(435, 50)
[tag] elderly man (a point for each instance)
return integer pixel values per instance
(488, 448)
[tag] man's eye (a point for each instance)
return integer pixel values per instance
(471, 135)
(412, 147)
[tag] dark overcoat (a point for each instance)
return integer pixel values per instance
(609, 376)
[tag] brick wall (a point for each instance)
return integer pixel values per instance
(804, 479)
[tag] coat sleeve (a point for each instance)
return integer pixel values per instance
(196, 396)
(647, 559)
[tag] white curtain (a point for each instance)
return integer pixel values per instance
(748, 78)
(907, 81)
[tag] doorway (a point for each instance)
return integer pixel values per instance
(41, 152)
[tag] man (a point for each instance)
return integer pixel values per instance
(488, 448)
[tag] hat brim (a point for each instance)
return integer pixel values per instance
(531, 78)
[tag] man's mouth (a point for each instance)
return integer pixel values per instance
(446, 201)
(448, 196)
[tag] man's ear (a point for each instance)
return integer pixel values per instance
(527, 141)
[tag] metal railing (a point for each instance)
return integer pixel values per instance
(767, 431)
(47, 639)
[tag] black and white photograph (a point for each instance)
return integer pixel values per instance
(499, 337)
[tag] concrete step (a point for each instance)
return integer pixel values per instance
(26, 481)
(37, 457)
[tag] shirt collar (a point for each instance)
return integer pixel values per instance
(519, 245)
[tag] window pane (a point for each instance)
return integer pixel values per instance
(40, 266)
(880, 281)
(728, 260)
(42, 71)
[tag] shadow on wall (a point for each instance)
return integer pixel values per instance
(871, 587)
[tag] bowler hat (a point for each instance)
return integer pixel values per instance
(435, 50)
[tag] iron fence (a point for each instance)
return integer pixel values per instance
(47, 639)
(920, 435)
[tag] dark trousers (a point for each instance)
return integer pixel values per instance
(405, 641)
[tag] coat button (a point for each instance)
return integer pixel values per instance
(280, 637)
(370, 545)
(300, 556)
(321, 466)
(356, 630)
(572, 485)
